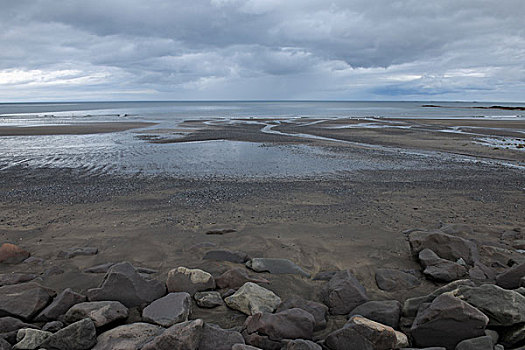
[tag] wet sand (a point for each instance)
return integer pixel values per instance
(72, 129)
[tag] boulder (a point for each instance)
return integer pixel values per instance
(401, 340)
(446, 322)
(215, 338)
(53, 326)
(10, 324)
(244, 347)
(503, 307)
(123, 283)
(12, 254)
(28, 338)
(276, 266)
(343, 293)
(81, 335)
(510, 279)
(361, 333)
(24, 300)
(190, 281)
(252, 298)
(444, 245)
(128, 337)
(226, 255)
(386, 312)
(301, 344)
(513, 336)
(319, 311)
(324, 275)
(4, 345)
(481, 273)
(479, 343)
(440, 269)
(15, 278)
(71, 253)
(100, 312)
(261, 341)
(288, 324)
(392, 280)
(235, 278)
(168, 310)
(60, 305)
(181, 336)
(208, 299)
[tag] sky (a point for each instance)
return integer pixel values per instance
(65, 50)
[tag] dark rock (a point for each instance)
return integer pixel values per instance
(288, 324)
(252, 298)
(227, 255)
(493, 335)
(24, 300)
(481, 273)
(53, 271)
(128, 337)
(510, 279)
(343, 293)
(181, 336)
(456, 229)
(480, 343)
(100, 312)
(496, 257)
(220, 231)
(393, 280)
(444, 245)
(301, 344)
(261, 341)
(12, 254)
(168, 310)
(235, 278)
(208, 299)
(33, 260)
(319, 311)
(446, 322)
(244, 347)
(60, 305)
(190, 281)
(15, 278)
(386, 312)
(11, 324)
(513, 336)
(324, 276)
(81, 335)
(215, 338)
(276, 266)
(53, 326)
(123, 283)
(102, 268)
(440, 269)
(71, 253)
(4, 345)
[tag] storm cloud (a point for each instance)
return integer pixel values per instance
(262, 49)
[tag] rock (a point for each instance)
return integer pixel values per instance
(60, 305)
(128, 337)
(34, 261)
(28, 338)
(301, 344)
(244, 347)
(15, 278)
(208, 299)
(479, 343)
(513, 336)
(276, 266)
(444, 245)
(100, 312)
(456, 229)
(361, 333)
(220, 231)
(168, 310)
(324, 276)
(4, 345)
(319, 311)
(446, 322)
(81, 335)
(181, 336)
(481, 273)
(53, 326)
(392, 280)
(227, 255)
(53, 271)
(401, 340)
(496, 257)
(123, 283)
(493, 335)
(102, 268)
(71, 253)
(10, 324)
(519, 244)
(288, 324)
(510, 279)
(261, 341)
(187, 280)
(343, 293)
(12, 254)
(252, 298)
(386, 312)
(440, 269)
(503, 307)
(215, 338)
(23, 300)
(235, 278)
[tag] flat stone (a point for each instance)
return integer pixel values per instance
(479, 343)
(81, 335)
(63, 302)
(30, 339)
(215, 338)
(208, 299)
(15, 278)
(100, 312)
(190, 281)
(252, 298)
(24, 300)
(276, 266)
(12, 254)
(181, 336)
(444, 245)
(128, 337)
(319, 311)
(102, 268)
(510, 279)
(343, 293)
(288, 324)
(301, 344)
(392, 280)
(386, 312)
(168, 310)
(123, 283)
(440, 269)
(226, 255)
(446, 322)
(71, 253)
(235, 278)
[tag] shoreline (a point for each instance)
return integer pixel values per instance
(72, 129)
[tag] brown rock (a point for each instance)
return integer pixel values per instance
(288, 324)
(235, 278)
(12, 254)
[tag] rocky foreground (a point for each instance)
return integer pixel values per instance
(480, 304)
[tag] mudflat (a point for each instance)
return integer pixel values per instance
(71, 129)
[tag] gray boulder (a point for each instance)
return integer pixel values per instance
(208, 299)
(343, 293)
(510, 279)
(288, 324)
(261, 341)
(226, 255)
(276, 266)
(252, 298)
(128, 337)
(215, 338)
(301, 344)
(244, 347)
(30, 339)
(24, 300)
(168, 310)
(81, 335)
(513, 336)
(4, 345)
(100, 312)
(60, 305)
(479, 343)
(15, 278)
(319, 311)
(53, 326)
(190, 281)
(444, 245)
(392, 280)
(123, 283)
(386, 312)
(181, 336)
(235, 278)
(440, 269)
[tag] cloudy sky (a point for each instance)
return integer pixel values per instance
(262, 49)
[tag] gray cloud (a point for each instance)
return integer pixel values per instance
(262, 49)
